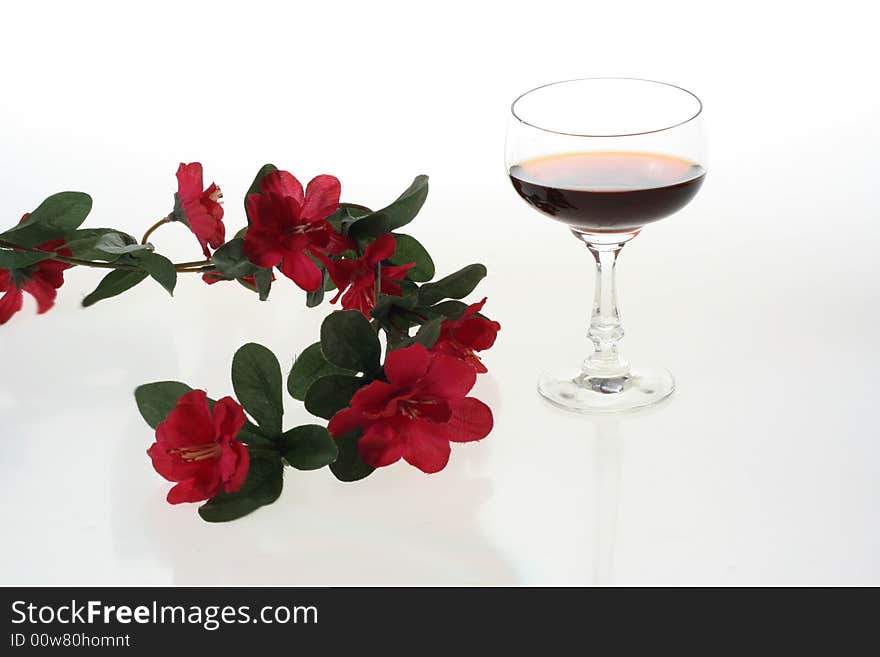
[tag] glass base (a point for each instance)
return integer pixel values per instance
(591, 394)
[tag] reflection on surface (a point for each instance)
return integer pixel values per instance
(398, 526)
(608, 449)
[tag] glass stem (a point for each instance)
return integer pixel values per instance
(605, 327)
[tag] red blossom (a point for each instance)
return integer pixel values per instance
(415, 415)
(464, 336)
(41, 280)
(356, 278)
(199, 208)
(286, 225)
(198, 449)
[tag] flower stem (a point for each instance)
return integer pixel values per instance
(151, 229)
(183, 267)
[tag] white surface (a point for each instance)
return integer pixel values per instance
(761, 297)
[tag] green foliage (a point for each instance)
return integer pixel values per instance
(106, 244)
(56, 217)
(429, 332)
(349, 466)
(160, 268)
(455, 286)
(263, 485)
(263, 279)
(231, 261)
(256, 378)
(113, 284)
(330, 394)
(308, 447)
(403, 210)
(20, 259)
(310, 366)
(409, 249)
(348, 341)
(156, 400)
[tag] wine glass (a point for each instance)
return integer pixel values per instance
(606, 156)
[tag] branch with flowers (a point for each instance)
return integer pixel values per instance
(391, 373)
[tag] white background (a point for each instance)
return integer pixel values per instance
(761, 296)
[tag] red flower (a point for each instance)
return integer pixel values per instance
(199, 209)
(358, 277)
(416, 414)
(466, 335)
(286, 225)
(199, 449)
(40, 280)
(211, 277)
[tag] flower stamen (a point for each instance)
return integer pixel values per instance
(197, 452)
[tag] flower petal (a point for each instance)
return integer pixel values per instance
(42, 291)
(380, 446)
(172, 467)
(229, 418)
(322, 198)
(10, 303)
(188, 424)
(196, 489)
(345, 421)
(396, 272)
(235, 461)
(380, 249)
(471, 420)
(262, 248)
(282, 183)
(425, 447)
(378, 399)
(302, 270)
(477, 333)
(404, 367)
(189, 181)
(448, 378)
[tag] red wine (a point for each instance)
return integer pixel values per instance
(607, 191)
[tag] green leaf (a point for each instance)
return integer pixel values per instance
(263, 485)
(429, 332)
(56, 217)
(231, 260)
(265, 170)
(156, 400)
(20, 259)
(256, 379)
(118, 243)
(410, 250)
(315, 298)
(330, 394)
(394, 216)
(310, 366)
(454, 286)
(308, 447)
(114, 283)
(160, 268)
(450, 309)
(345, 215)
(102, 244)
(388, 303)
(253, 435)
(349, 466)
(349, 341)
(263, 279)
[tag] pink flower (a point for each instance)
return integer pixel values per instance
(199, 209)
(356, 278)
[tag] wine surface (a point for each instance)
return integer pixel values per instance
(607, 191)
